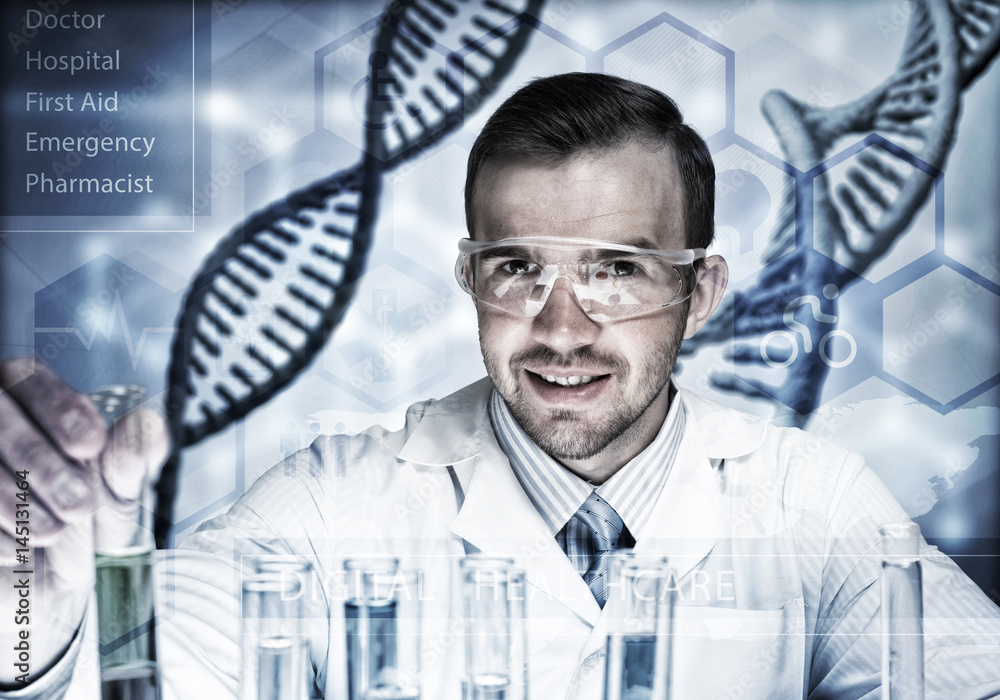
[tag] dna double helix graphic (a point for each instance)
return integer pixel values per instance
(305, 252)
(913, 116)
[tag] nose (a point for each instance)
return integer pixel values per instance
(562, 324)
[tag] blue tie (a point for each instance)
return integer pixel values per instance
(604, 532)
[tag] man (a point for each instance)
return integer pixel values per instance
(589, 205)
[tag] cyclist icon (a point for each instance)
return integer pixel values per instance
(830, 291)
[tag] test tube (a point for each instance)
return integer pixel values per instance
(496, 663)
(902, 613)
(382, 619)
(124, 569)
(640, 607)
(275, 652)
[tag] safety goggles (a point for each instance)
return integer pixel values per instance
(611, 281)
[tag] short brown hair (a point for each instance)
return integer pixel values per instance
(558, 117)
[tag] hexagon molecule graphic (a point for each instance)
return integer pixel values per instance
(672, 56)
(934, 341)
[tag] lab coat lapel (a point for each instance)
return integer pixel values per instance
(499, 519)
(688, 517)
(496, 515)
(686, 522)
(690, 513)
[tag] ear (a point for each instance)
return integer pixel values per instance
(713, 276)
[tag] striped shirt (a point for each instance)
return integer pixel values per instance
(558, 493)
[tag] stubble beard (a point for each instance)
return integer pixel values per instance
(568, 434)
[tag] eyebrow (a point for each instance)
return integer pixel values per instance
(514, 250)
(507, 251)
(643, 243)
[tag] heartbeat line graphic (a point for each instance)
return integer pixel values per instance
(106, 329)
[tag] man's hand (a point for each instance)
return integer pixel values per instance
(58, 468)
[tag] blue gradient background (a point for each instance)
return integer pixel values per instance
(276, 107)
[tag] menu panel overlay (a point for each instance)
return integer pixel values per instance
(98, 112)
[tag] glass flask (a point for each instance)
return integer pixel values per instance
(124, 567)
(638, 649)
(493, 599)
(275, 650)
(382, 619)
(902, 613)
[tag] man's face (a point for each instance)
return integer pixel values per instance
(631, 196)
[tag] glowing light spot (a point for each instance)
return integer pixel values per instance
(224, 109)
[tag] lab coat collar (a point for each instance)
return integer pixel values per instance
(449, 431)
(499, 519)
(724, 433)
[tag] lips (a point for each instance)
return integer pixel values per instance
(567, 389)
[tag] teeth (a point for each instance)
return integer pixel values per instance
(567, 381)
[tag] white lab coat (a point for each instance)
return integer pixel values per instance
(773, 533)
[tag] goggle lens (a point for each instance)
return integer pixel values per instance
(609, 284)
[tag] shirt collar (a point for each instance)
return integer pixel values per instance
(557, 493)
